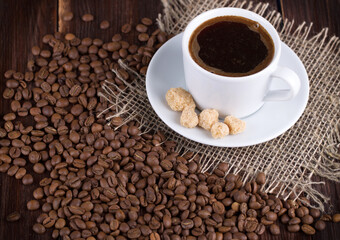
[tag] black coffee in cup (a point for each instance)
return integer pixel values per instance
(231, 46)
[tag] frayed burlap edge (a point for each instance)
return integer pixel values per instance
(309, 147)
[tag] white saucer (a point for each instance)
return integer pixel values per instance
(165, 71)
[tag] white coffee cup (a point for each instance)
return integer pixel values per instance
(237, 96)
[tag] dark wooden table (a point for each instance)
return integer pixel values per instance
(24, 22)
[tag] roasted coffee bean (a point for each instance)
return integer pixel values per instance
(38, 193)
(18, 76)
(141, 28)
(250, 224)
(235, 206)
(326, 218)
(39, 228)
(300, 212)
(5, 158)
(271, 216)
(60, 223)
(68, 37)
(9, 73)
(260, 229)
(113, 46)
(146, 21)
(87, 17)
(39, 168)
(240, 197)
(20, 161)
(307, 229)
(274, 229)
(336, 217)
(4, 167)
(307, 219)
(8, 93)
(187, 224)
(3, 133)
(104, 24)
(320, 225)
(162, 37)
(68, 16)
(239, 235)
(252, 236)
(35, 50)
(218, 208)
(294, 221)
(143, 70)
(12, 170)
(48, 222)
(291, 212)
(126, 28)
(143, 37)
(315, 213)
(27, 179)
(20, 173)
(12, 83)
(13, 217)
(33, 205)
(9, 117)
(154, 236)
(293, 228)
(15, 105)
(74, 91)
(134, 233)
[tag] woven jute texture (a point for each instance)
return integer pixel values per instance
(290, 160)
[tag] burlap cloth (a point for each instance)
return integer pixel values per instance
(290, 160)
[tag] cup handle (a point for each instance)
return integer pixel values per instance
(291, 78)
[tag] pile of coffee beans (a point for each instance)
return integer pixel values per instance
(120, 184)
(59, 94)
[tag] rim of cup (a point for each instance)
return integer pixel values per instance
(229, 11)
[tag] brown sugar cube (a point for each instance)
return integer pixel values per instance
(207, 118)
(178, 99)
(189, 118)
(219, 130)
(235, 125)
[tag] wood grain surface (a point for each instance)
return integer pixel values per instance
(322, 14)
(24, 22)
